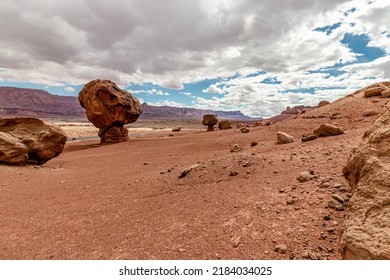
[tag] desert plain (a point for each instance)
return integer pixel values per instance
(185, 195)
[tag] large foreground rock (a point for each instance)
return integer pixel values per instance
(109, 108)
(32, 140)
(367, 226)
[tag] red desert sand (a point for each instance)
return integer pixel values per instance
(185, 195)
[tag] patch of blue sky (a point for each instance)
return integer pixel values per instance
(358, 44)
(271, 81)
(309, 90)
(330, 72)
(258, 73)
(329, 28)
(350, 11)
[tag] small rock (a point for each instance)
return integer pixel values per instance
(284, 138)
(186, 171)
(254, 143)
(304, 177)
(290, 200)
(327, 217)
(309, 137)
(370, 112)
(176, 128)
(328, 130)
(323, 103)
(245, 130)
(336, 205)
(62, 182)
(236, 241)
(146, 163)
(233, 173)
(182, 250)
(235, 148)
(338, 198)
(281, 248)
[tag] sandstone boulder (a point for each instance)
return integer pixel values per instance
(374, 91)
(323, 103)
(370, 112)
(309, 137)
(210, 121)
(367, 226)
(386, 93)
(226, 124)
(328, 130)
(109, 108)
(31, 140)
(176, 128)
(284, 138)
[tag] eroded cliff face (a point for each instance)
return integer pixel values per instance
(367, 226)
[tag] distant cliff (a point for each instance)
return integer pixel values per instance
(40, 103)
(36, 102)
(189, 113)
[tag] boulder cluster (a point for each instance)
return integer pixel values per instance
(29, 140)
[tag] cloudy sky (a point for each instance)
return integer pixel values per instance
(256, 56)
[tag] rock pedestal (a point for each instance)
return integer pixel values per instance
(210, 121)
(109, 108)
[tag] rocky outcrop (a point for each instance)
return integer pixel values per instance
(328, 130)
(377, 89)
(109, 108)
(30, 140)
(367, 226)
(283, 138)
(210, 121)
(225, 124)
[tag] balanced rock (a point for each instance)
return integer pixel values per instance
(284, 138)
(30, 140)
(323, 103)
(367, 226)
(210, 121)
(109, 108)
(226, 124)
(328, 130)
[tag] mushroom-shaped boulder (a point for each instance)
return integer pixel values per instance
(109, 108)
(210, 120)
